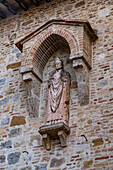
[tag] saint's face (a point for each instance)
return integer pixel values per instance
(58, 65)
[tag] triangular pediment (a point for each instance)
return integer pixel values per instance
(83, 23)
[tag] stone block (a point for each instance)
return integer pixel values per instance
(7, 144)
(27, 22)
(13, 65)
(2, 158)
(5, 121)
(15, 132)
(4, 101)
(18, 55)
(13, 158)
(2, 81)
(97, 142)
(111, 131)
(18, 120)
(15, 97)
(41, 167)
(89, 121)
(81, 3)
(87, 164)
(103, 12)
(55, 162)
(35, 140)
(26, 168)
(15, 50)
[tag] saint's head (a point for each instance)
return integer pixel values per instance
(58, 63)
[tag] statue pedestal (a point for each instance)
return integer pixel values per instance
(54, 131)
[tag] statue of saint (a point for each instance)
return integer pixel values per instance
(58, 95)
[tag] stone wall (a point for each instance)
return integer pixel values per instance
(90, 143)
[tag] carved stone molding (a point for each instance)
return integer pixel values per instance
(54, 131)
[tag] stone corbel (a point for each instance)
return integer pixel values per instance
(62, 136)
(54, 131)
(47, 141)
(33, 84)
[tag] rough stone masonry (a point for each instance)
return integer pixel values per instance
(90, 143)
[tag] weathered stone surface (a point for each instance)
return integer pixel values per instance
(12, 37)
(15, 97)
(87, 164)
(103, 12)
(15, 132)
(55, 162)
(26, 157)
(5, 121)
(35, 140)
(4, 101)
(80, 4)
(10, 91)
(14, 65)
(27, 23)
(18, 120)
(2, 81)
(15, 50)
(2, 60)
(41, 167)
(2, 158)
(13, 158)
(89, 121)
(111, 131)
(26, 168)
(18, 55)
(7, 144)
(97, 142)
(1, 96)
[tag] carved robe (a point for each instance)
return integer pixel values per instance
(58, 97)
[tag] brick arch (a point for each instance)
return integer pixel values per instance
(67, 39)
(68, 36)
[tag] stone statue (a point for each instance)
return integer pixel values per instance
(58, 95)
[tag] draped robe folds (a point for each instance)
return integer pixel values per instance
(58, 97)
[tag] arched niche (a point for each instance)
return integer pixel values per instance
(39, 49)
(63, 52)
(48, 47)
(40, 45)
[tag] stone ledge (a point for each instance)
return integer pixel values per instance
(54, 131)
